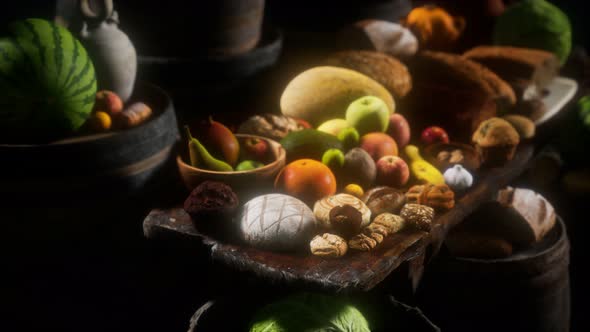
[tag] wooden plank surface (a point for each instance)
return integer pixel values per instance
(360, 271)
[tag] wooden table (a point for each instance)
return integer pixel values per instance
(357, 271)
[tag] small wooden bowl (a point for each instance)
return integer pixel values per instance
(242, 182)
(471, 158)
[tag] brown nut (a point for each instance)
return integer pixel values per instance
(346, 220)
(419, 216)
(362, 242)
(384, 199)
(328, 245)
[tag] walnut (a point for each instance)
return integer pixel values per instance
(419, 216)
(362, 242)
(328, 245)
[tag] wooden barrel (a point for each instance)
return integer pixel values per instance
(383, 313)
(527, 291)
(99, 166)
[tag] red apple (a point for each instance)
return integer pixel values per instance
(302, 123)
(433, 135)
(392, 171)
(256, 148)
(399, 129)
(378, 145)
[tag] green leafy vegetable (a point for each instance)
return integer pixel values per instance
(309, 313)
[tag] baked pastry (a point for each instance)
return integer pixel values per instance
(454, 93)
(523, 125)
(211, 200)
(513, 64)
(418, 216)
(378, 35)
(439, 197)
(496, 141)
(384, 224)
(384, 199)
(328, 245)
(383, 68)
(273, 126)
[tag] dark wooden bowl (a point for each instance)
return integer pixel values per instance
(245, 183)
(472, 159)
(87, 167)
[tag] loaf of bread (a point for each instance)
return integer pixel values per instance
(514, 63)
(383, 68)
(519, 216)
(453, 92)
(529, 215)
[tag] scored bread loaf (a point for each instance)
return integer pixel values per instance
(383, 68)
(537, 67)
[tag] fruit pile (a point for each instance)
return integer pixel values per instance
(109, 113)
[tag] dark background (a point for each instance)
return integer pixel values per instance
(70, 268)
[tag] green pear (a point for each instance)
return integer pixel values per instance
(334, 126)
(368, 114)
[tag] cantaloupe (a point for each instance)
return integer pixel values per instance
(47, 82)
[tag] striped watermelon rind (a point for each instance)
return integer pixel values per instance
(47, 80)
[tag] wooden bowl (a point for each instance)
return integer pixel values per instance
(471, 162)
(244, 183)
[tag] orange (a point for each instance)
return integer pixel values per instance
(306, 179)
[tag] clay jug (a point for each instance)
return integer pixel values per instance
(113, 54)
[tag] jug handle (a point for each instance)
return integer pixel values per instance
(88, 13)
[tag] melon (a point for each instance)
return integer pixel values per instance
(47, 82)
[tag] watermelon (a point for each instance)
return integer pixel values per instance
(47, 82)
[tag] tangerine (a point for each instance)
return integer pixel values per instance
(307, 179)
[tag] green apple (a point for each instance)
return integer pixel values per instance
(334, 126)
(333, 158)
(368, 114)
(349, 137)
(247, 165)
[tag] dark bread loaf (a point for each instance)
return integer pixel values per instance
(453, 92)
(383, 68)
(514, 63)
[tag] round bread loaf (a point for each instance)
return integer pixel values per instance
(277, 222)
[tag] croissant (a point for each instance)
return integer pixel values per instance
(438, 197)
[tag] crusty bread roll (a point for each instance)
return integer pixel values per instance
(383, 68)
(514, 63)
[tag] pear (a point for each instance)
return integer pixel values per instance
(221, 142)
(201, 158)
(334, 126)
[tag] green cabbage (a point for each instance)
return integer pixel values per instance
(309, 313)
(535, 24)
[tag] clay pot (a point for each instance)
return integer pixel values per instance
(111, 51)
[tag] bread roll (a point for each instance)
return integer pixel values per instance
(383, 68)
